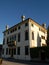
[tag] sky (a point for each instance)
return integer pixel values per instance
(12, 10)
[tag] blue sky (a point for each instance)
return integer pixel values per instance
(12, 10)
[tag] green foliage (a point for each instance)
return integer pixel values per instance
(34, 52)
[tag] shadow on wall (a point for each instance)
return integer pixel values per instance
(38, 40)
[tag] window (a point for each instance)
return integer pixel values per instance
(11, 31)
(26, 24)
(32, 25)
(32, 36)
(3, 41)
(26, 35)
(9, 51)
(8, 32)
(7, 40)
(18, 50)
(39, 29)
(26, 50)
(2, 51)
(14, 51)
(19, 27)
(18, 37)
(42, 37)
(10, 38)
(15, 29)
(6, 50)
(14, 37)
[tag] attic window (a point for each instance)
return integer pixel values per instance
(19, 27)
(15, 29)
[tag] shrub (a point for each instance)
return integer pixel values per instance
(34, 52)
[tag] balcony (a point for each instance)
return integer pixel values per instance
(11, 43)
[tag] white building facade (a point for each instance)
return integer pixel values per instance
(18, 39)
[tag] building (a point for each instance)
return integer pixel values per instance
(18, 39)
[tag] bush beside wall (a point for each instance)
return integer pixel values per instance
(35, 52)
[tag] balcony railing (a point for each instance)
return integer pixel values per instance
(11, 43)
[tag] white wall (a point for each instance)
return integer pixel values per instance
(37, 36)
(20, 44)
(31, 43)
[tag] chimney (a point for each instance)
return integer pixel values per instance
(7, 27)
(23, 18)
(44, 25)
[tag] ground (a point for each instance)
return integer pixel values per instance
(7, 62)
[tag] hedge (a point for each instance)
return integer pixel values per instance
(34, 52)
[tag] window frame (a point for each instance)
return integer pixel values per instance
(26, 50)
(18, 50)
(19, 27)
(26, 35)
(7, 52)
(32, 35)
(18, 37)
(14, 51)
(26, 24)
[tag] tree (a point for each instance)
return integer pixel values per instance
(47, 36)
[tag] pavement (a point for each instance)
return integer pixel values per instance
(35, 60)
